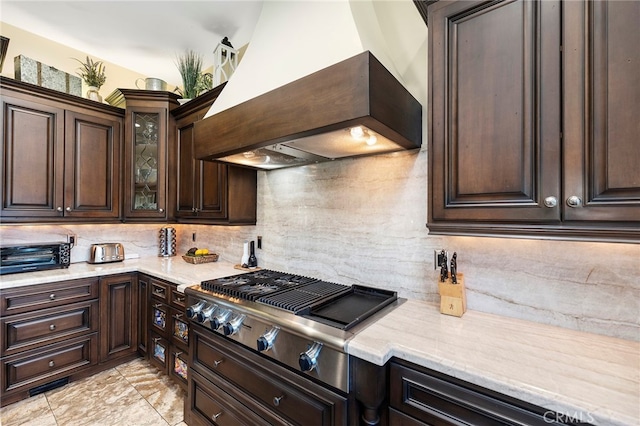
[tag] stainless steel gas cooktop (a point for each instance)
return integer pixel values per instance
(301, 322)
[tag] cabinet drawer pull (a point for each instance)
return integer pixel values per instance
(215, 416)
(177, 354)
(177, 316)
(277, 399)
(156, 339)
(52, 327)
(217, 363)
(157, 305)
(52, 296)
(52, 364)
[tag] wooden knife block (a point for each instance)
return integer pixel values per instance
(453, 297)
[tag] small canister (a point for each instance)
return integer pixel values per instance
(167, 242)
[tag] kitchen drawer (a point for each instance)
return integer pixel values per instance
(159, 318)
(296, 399)
(179, 327)
(30, 298)
(42, 365)
(27, 331)
(178, 299)
(178, 365)
(159, 354)
(160, 290)
(398, 418)
(434, 398)
(211, 405)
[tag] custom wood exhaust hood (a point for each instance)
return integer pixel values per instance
(353, 108)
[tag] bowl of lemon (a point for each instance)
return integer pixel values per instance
(197, 255)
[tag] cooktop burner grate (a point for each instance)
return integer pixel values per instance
(253, 285)
(298, 298)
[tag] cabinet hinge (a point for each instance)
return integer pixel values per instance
(560, 135)
(561, 47)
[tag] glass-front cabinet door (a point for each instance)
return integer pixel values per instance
(146, 168)
(146, 161)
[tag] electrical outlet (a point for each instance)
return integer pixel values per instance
(438, 257)
(71, 239)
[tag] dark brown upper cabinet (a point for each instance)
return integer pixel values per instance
(208, 191)
(148, 138)
(61, 156)
(531, 119)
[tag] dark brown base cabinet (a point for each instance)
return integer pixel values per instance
(119, 316)
(229, 384)
(168, 329)
(68, 330)
(419, 396)
(49, 332)
(533, 119)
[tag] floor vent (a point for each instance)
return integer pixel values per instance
(48, 386)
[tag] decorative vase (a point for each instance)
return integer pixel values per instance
(93, 94)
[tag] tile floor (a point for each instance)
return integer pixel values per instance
(131, 394)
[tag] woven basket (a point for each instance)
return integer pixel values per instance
(196, 260)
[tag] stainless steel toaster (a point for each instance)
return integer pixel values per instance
(106, 252)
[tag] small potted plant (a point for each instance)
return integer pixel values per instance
(92, 72)
(194, 82)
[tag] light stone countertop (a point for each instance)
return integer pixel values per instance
(592, 378)
(573, 373)
(173, 269)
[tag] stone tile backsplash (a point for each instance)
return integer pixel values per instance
(362, 221)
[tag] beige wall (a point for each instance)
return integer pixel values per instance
(61, 57)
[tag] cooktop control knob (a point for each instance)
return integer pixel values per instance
(233, 325)
(206, 313)
(219, 319)
(309, 359)
(265, 342)
(194, 309)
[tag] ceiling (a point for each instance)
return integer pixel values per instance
(143, 36)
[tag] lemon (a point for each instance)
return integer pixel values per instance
(202, 252)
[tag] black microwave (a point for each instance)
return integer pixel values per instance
(34, 257)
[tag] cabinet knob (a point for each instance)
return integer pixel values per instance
(68, 209)
(550, 202)
(52, 296)
(215, 416)
(59, 209)
(161, 210)
(277, 399)
(52, 364)
(52, 327)
(574, 201)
